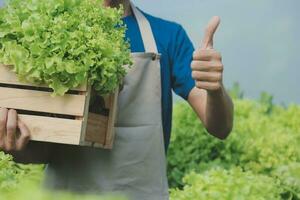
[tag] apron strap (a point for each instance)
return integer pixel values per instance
(145, 29)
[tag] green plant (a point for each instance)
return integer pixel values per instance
(233, 184)
(264, 139)
(33, 192)
(12, 174)
(63, 43)
(190, 145)
(22, 182)
(289, 177)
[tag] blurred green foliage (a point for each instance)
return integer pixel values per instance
(12, 174)
(22, 182)
(259, 160)
(263, 149)
(233, 184)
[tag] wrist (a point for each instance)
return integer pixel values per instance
(216, 93)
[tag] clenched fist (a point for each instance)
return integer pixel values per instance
(14, 134)
(207, 67)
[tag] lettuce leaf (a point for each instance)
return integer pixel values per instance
(64, 43)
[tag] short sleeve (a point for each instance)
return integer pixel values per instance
(181, 57)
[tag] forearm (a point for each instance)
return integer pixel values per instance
(210, 100)
(218, 117)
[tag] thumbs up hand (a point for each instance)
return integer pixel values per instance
(207, 67)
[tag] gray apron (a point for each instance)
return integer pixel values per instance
(136, 166)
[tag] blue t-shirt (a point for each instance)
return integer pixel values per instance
(176, 55)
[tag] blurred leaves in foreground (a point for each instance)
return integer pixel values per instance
(259, 160)
(23, 182)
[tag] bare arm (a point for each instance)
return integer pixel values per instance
(209, 98)
(215, 111)
(14, 139)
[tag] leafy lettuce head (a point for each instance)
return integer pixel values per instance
(63, 43)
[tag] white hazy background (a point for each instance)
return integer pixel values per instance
(259, 40)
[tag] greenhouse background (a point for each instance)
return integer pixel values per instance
(261, 158)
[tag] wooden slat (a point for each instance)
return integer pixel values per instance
(106, 136)
(56, 130)
(84, 118)
(107, 101)
(110, 134)
(9, 77)
(41, 101)
(96, 128)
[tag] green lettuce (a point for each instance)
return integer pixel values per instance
(64, 43)
(233, 184)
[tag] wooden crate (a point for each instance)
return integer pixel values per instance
(66, 119)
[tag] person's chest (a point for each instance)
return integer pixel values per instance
(134, 37)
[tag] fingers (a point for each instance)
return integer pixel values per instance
(207, 42)
(207, 76)
(3, 120)
(207, 69)
(207, 55)
(9, 123)
(207, 66)
(11, 127)
(24, 135)
(209, 86)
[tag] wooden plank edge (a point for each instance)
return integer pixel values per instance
(41, 101)
(96, 128)
(54, 130)
(82, 140)
(110, 133)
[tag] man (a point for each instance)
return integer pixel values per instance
(164, 60)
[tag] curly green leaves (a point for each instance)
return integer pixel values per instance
(62, 43)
